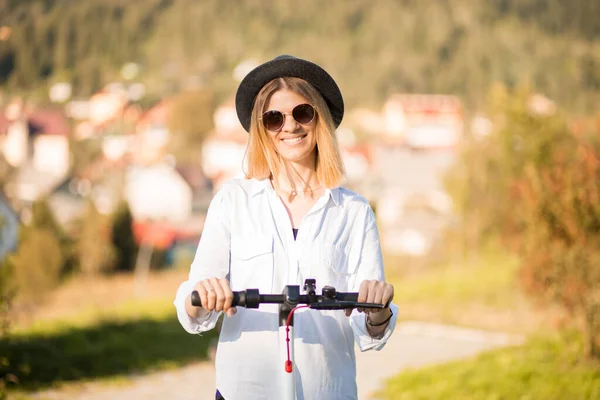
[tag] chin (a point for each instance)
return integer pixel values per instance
(295, 157)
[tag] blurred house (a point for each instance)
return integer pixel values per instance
(101, 182)
(413, 208)
(364, 120)
(105, 106)
(9, 225)
(157, 192)
(423, 121)
(161, 202)
(39, 136)
(152, 134)
(35, 142)
(107, 113)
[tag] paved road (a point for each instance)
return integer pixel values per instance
(417, 344)
(414, 344)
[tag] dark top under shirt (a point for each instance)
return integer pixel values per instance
(295, 232)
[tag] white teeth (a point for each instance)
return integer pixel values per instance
(293, 140)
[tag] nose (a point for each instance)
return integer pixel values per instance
(289, 123)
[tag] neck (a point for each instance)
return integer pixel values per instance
(298, 176)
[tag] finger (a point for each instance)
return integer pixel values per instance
(377, 295)
(224, 284)
(210, 295)
(388, 295)
(348, 311)
(372, 291)
(202, 293)
(363, 292)
(372, 287)
(219, 293)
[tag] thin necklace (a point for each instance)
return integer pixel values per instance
(294, 192)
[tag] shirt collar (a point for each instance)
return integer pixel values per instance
(335, 195)
(261, 185)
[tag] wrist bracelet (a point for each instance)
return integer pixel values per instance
(381, 323)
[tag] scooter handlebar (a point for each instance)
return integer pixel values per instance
(251, 298)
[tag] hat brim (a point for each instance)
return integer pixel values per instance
(287, 66)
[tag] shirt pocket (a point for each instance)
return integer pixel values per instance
(251, 263)
(328, 264)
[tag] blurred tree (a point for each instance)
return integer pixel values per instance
(189, 122)
(123, 238)
(43, 218)
(36, 265)
(578, 17)
(5, 171)
(535, 183)
(95, 251)
(560, 208)
(458, 46)
(85, 152)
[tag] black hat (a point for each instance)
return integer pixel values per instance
(282, 66)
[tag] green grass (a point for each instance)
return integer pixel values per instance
(491, 282)
(139, 336)
(483, 295)
(154, 309)
(546, 368)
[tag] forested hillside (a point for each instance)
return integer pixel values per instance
(373, 48)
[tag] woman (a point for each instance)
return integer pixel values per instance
(287, 221)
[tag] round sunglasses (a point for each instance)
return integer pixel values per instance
(273, 120)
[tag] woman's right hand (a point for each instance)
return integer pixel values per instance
(215, 295)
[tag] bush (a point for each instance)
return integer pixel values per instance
(43, 218)
(123, 238)
(535, 183)
(6, 296)
(481, 184)
(95, 251)
(36, 265)
(561, 243)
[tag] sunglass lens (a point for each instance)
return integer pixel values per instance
(272, 120)
(303, 113)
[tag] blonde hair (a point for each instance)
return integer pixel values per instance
(263, 160)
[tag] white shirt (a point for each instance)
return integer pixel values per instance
(248, 238)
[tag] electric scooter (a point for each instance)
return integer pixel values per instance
(289, 301)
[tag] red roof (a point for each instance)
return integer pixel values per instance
(49, 122)
(41, 121)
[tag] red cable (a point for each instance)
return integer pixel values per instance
(288, 363)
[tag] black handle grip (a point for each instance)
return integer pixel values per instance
(249, 298)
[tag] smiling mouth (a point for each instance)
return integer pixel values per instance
(294, 140)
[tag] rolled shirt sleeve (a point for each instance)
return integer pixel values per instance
(362, 337)
(192, 325)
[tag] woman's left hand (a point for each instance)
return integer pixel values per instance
(375, 292)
